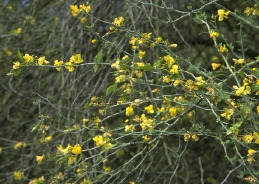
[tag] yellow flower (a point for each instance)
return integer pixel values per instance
(1, 150)
(227, 113)
(223, 48)
(58, 63)
(149, 109)
(48, 138)
(256, 137)
(141, 54)
(77, 149)
(19, 145)
(39, 159)
(140, 64)
(248, 138)
(215, 66)
(238, 61)
(17, 31)
(166, 79)
(159, 39)
(120, 78)
(138, 74)
(222, 14)
(248, 11)
(85, 8)
(106, 169)
(173, 111)
(133, 40)
(68, 65)
(146, 138)
(146, 35)
(173, 45)
(116, 64)
(93, 41)
(214, 35)
(16, 65)
(74, 10)
(71, 160)
(64, 150)
(28, 58)
(129, 128)
(177, 82)
(42, 60)
(169, 60)
(195, 137)
(118, 21)
(186, 136)
(18, 175)
(250, 155)
(200, 80)
(129, 111)
(77, 59)
(174, 69)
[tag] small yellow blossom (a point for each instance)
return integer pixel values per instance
(186, 136)
(173, 111)
(146, 35)
(129, 111)
(248, 138)
(18, 145)
(77, 149)
(139, 74)
(85, 8)
(1, 150)
(173, 45)
(120, 78)
(223, 48)
(174, 69)
(195, 137)
(57, 64)
(141, 54)
(250, 155)
(169, 60)
(146, 138)
(116, 64)
(18, 175)
(17, 31)
(238, 61)
(177, 82)
(83, 21)
(150, 109)
(227, 113)
(71, 160)
(133, 40)
(166, 79)
(74, 10)
(215, 66)
(64, 150)
(77, 59)
(214, 35)
(129, 128)
(200, 81)
(28, 58)
(140, 64)
(93, 41)
(68, 65)
(256, 137)
(39, 159)
(16, 65)
(159, 39)
(222, 14)
(106, 169)
(42, 61)
(118, 21)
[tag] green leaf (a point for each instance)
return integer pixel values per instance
(17, 72)
(234, 128)
(97, 60)
(87, 105)
(19, 54)
(36, 127)
(89, 27)
(148, 68)
(110, 89)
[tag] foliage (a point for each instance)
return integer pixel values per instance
(134, 97)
